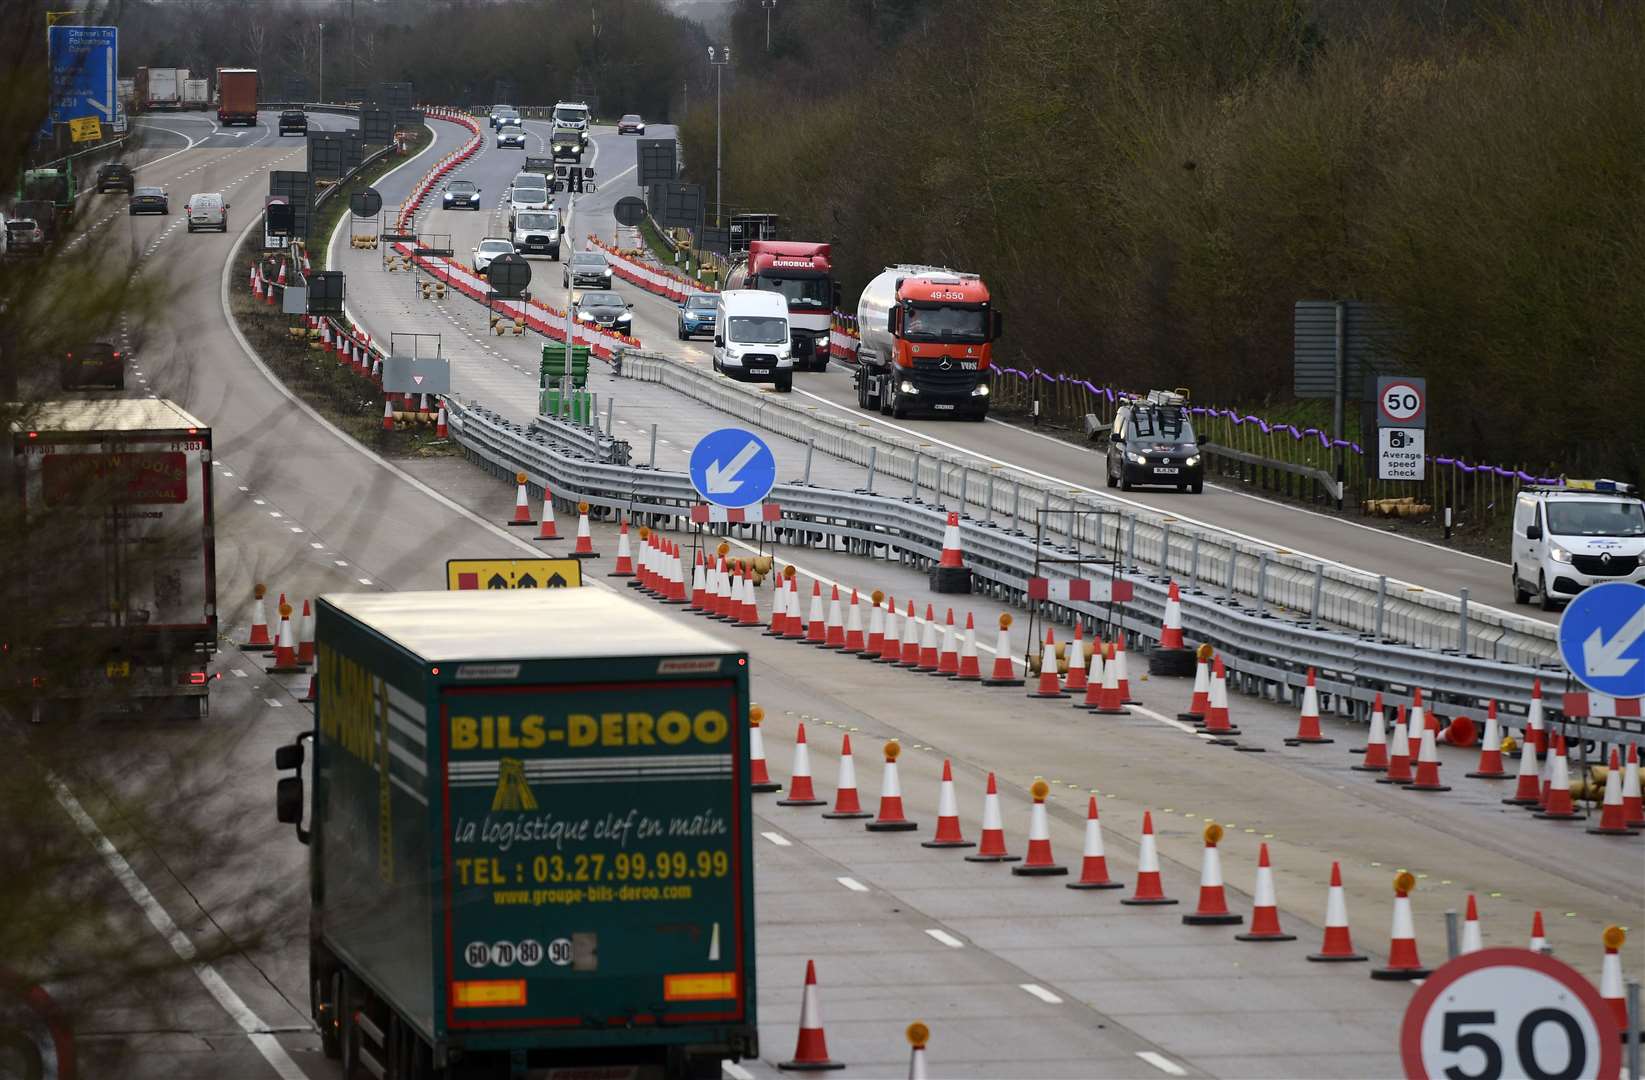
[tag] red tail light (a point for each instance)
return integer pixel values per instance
(197, 678)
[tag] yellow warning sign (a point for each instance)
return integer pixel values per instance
(513, 793)
(513, 573)
(85, 129)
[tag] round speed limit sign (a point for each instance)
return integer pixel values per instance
(1508, 1012)
(1401, 402)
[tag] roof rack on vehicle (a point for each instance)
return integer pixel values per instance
(1584, 487)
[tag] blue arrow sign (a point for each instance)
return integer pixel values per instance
(1602, 639)
(84, 61)
(733, 467)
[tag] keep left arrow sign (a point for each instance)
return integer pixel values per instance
(1603, 658)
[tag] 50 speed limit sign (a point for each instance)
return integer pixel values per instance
(1505, 1013)
(1402, 401)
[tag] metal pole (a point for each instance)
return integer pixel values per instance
(718, 220)
(1337, 453)
(988, 499)
(1453, 944)
(610, 407)
(593, 411)
(914, 491)
(1262, 583)
(1233, 568)
(1634, 1032)
(653, 446)
(1193, 567)
(1016, 502)
(1382, 602)
(1165, 549)
(320, 95)
(810, 448)
(1131, 544)
(1462, 622)
(1319, 589)
(965, 485)
(873, 453)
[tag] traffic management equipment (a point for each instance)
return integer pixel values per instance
(891, 643)
(1610, 977)
(1216, 717)
(950, 575)
(1004, 672)
(1612, 820)
(1149, 891)
(547, 530)
(1212, 909)
(969, 670)
(1633, 807)
(800, 791)
(948, 814)
(1376, 742)
(441, 430)
(929, 650)
(1403, 962)
(796, 625)
(948, 653)
(258, 638)
(1121, 674)
(388, 425)
(522, 498)
(891, 817)
(759, 776)
(1077, 662)
(1490, 749)
(1338, 946)
(1308, 722)
(1536, 732)
(1094, 863)
(1427, 778)
(1399, 753)
(1528, 790)
(876, 628)
(1264, 905)
(1539, 940)
(1170, 635)
(285, 650)
(1416, 721)
(1472, 939)
(1110, 702)
(625, 554)
(846, 802)
(751, 603)
(1200, 705)
(1558, 806)
(1049, 685)
(991, 847)
(918, 1035)
(1096, 681)
(834, 635)
(676, 576)
(584, 547)
(1039, 862)
(816, 626)
(811, 1048)
(854, 642)
(305, 643)
(910, 639)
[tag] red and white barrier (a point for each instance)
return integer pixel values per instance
(1086, 590)
(706, 513)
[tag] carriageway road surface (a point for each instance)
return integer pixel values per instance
(375, 528)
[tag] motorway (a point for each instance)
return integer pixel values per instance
(1017, 977)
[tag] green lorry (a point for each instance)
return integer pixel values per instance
(530, 837)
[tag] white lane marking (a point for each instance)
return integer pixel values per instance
(344, 562)
(945, 938)
(778, 838)
(1168, 721)
(260, 502)
(1162, 1063)
(249, 1022)
(852, 883)
(273, 703)
(365, 581)
(735, 1071)
(239, 673)
(316, 545)
(1040, 992)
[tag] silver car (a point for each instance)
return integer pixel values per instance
(586, 268)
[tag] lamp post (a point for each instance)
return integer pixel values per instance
(719, 58)
(321, 95)
(770, 6)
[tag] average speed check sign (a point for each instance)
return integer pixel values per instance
(1508, 1012)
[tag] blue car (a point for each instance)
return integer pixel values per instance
(697, 315)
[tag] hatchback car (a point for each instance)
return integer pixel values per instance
(1153, 442)
(461, 195)
(511, 136)
(603, 308)
(149, 200)
(631, 124)
(490, 248)
(293, 122)
(115, 176)
(207, 210)
(95, 365)
(696, 315)
(24, 236)
(586, 268)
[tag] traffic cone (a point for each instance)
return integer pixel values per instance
(948, 814)
(929, 650)
(313, 693)
(1427, 778)
(796, 625)
(992, 845)
(1109, 701)
(1403, 962)
(811, 1048)
(1200, 705)
(1399, 753)
(800, 791)
(816, 630)
(280, 275)
(970, 670)
(1050, 686)
(1170, 635)
(1039, 862)
(952, 556)
(1472, 939)
(1094, 863)
(1528, 790)
(853, 626)
(676, 576)
(1536, 732)
(948, 653)
(1610, 977)
(891, 818)
(547, 530)
(1149, 891)
(1490, 748)
(1376, 742)
(1416, 721)
(285, 649)
(442, 429)
(779, 609)
(1004, 673)
(1633, 807)
(1121, 674)
(918, 1034)
(759, 776)
(305, 645)
(522, 499)
(846, 802)
(1264, 906)
(1095, 674)
(1216, 717)
(1308, 723)
(258, 638)
(625, 555)
(1077, 662)
(388, 424)
(876, 628)
(584, 547)
(751, 603)
(891, 641)
(835, 629)
(1559, 806)
(910, 639)
(1338, 946)
(1539, 940)
(1212, 909)
(1612, 821)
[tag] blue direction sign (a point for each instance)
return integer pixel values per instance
(84, 60)
(1602, 639)
(733, 467)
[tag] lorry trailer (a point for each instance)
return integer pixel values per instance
(237, 96)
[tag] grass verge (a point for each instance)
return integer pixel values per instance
(333, 209)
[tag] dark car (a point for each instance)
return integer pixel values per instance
(461, 195)
(1153, 442)
(293, 122)
(24, 236)
(696, 315)
(604, 309)
(586, 268)
(94, 366)
(150, 200)
(115, 176)
(631, 124)
(512, 136)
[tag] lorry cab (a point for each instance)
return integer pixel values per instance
(926, 343)
(751, 337)
(1576, 534)
(572, 115)
(799, 271)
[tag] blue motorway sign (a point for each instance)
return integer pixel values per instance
(1602, 639)
(733, 467)
(84, 60)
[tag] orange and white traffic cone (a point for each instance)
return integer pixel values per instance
(1610, 977)
(1094, 864)
(1472, 939)
(1338, 946)
(930, 651)
(918, 1035)
(305, 642)
(1528, 789)
(1308, 731)
(1077, 663)
(1004, 672)
(584, 547)
(1050, 685)
(876, 628)
(1399, 753)
(1216, 717)
(948, 832)
(1490, 748)
(1559, 806)
(1095, 671)
(910, 639)
(796, 630)
(834, 631)
(950, 575)
(258, 638)
(313, 692)
(970, 670)
(1170, 635)
(952, 555)
(1212, 909)
(1403, 962)
(948, 653)
(759, 776)
(1149, 891)
(1427, 778)
(1039, 862)
(847, 804)
(800, 791)
(285, 649)
(700, 598)
(388, 422)
(1376, 742)
(891, 817)
(779, 609)
(816, 629)
(751, 603)
(1121, 673)
(1633, 807)
(548, 530)
(811, 1048)
(891, 641)
(992, 845)
(1109, 700)
(1200, 705)
(1536, 731)
(625, 555)
(442, 428)
(1612, 821)
(1264, 906)
(1539, 940)
(522, 497)
(854, 642)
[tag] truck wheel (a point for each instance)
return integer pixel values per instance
(899, 408)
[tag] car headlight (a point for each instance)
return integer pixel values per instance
(583, 316)
(605, 273)
(1194, 460)
(1558, 554)
(626, 317)
(1136, 459)
(980, 390)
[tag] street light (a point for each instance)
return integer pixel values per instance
(321, 96)
(770, 6)
(719, 58)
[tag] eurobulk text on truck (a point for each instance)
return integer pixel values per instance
(530, 837)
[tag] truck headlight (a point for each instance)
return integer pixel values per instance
(908, 387)
(980, 390)
(1558, 554)
(1136, 459)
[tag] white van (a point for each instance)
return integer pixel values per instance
(1569, 537)
(751, 337)
(538, 232)
(207, 210)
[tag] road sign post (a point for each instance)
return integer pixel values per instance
(733, 467)
(1602, 639)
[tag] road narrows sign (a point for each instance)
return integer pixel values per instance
(1508, 1012)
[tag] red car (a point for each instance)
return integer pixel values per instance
(631, 124)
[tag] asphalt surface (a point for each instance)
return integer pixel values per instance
(1017, 977)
